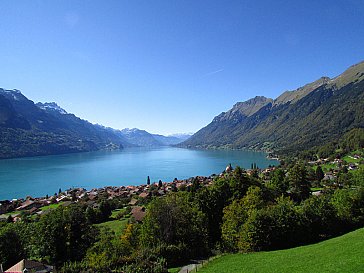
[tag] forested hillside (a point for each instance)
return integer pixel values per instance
(28, 129)
(308, 117)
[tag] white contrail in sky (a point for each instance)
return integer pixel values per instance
(214, 72)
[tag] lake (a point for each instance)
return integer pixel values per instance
(38, 176)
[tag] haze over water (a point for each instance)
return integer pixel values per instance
(38, 176)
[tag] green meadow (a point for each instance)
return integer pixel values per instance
(340, 254)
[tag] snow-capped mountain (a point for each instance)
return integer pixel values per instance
(51, 106)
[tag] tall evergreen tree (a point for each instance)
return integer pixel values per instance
(299, 184)
(319, 173)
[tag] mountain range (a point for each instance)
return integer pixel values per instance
(29, 129)
(144, 139)
(307, 117)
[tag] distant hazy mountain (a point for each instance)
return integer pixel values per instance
(172, 139)
(144, 139)
(310, 116)
(140, 137)
(28, 129)
(182, 136)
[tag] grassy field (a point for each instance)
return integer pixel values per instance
(341, 254)
(115, 212)
(317, 189)
(328, 166)
(115, 225)
(350, 159)
(51, 206)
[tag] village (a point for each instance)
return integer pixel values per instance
(14, 209)
(136, 196)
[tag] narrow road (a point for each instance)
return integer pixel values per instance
(192, 267)
(188, 268)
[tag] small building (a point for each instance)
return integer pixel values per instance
(138, 213)
(144, 195)
(328, 177)
(30, 266)
(228, 168)
(133, 202)
(29, 204)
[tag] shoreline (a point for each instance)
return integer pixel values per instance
(14, 207)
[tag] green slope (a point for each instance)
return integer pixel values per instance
(311, 116)
(341, 254)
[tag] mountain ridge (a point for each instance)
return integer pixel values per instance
(33, 129)
(29, 129)
(143, 138)
(315, 113)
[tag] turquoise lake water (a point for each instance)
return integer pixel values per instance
(38, 176)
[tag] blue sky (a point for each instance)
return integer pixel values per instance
(171, 66)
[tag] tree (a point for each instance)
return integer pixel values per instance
(176, 223)
(148, 180)
(319, 173)
(273, 227)
(11, 248)
(235, 216)
(91, 215)
(105, 210)
(214, 198)
(239, 182)
(299, 184)
(237, 213)
(345, 179)
(359, 177)
(62, 235)
(9, 219)
(106, 254)
(212, 201)
(195, 185)
(349, 204)
(319, 217)
(278, 183)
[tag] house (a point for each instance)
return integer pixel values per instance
(29, 204)
(138, 213)
(328, 177)
(66, 203)
(33, 210)
(144, 195)
(161, 192)
(31, 267)
(229, 168)
(133, 202)
(4, 206)
(352, 167)
(316, 193)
